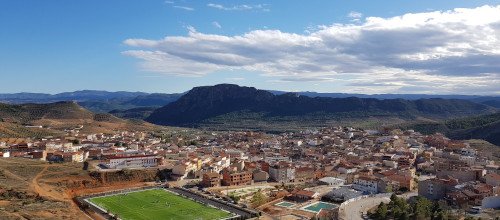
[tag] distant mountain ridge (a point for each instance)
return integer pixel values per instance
(383, 96)
(82, 95)
(493, 101)
(104, 101)
(203, 103)
(95, 100)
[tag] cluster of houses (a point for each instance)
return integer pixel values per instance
(354, 162)
(461, 177)
(54, 150)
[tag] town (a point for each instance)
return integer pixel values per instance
(329, 173)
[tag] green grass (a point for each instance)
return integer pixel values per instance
(157, 204)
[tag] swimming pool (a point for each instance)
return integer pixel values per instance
(285, 204)
(316, 207)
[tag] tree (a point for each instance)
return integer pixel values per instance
(381, 212)
(258, 199)
(422, 208)
(388, 188)
(394, 197)
(234, 197)
(440, 216)
(404, 215)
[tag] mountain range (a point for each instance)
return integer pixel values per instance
(104, 101)
(96, 101)
(201, 104)
(233, 107)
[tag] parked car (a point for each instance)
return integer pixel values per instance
(475, 210)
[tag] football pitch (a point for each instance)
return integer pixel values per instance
(157, 204)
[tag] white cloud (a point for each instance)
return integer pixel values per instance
(453, 51)
(355, 15)
(261, 7)
(216, 24)
(235, 79)
(184, 8)
(169, 2)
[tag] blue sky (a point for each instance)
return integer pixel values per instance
(327, 46)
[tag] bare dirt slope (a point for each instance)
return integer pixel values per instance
(24, 196)
(39, 190)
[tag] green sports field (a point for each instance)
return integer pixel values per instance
(156, 204)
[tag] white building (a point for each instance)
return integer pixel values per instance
(347, 169)
(5, 154)
(282, 173)
(220, 163)
(332, 181)
(272, 159)
(470, 160)
(468, 152)
(366, 184)
(390, 163)
(135, 161)
(184, 168)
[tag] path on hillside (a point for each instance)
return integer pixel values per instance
(40, 190)
(12, 175)
(63, 197)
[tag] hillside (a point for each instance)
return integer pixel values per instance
(486, 127)
(19, 120)
(27, 113)
(225, 104)
(155, 99)
(493, 101)
(133, 113)
(489, 132)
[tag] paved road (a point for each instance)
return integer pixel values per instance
(357, 209)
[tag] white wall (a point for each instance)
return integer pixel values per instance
(491, 202)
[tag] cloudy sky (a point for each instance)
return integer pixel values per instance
(358, 46)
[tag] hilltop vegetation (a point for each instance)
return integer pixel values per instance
(27, 113)
(134, 113)
(486, 127)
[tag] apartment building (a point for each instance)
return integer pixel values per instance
(282, 173)
(233, 177)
